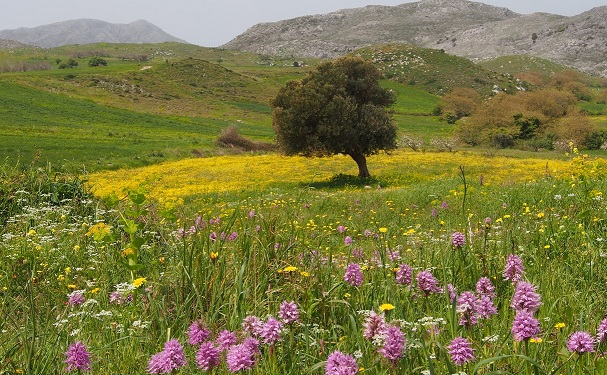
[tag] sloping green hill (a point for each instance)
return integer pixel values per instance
(434, 70)
(522, 64)
(73, 132)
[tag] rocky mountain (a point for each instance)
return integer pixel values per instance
(11, 44)
(464, 28)
(86, 31)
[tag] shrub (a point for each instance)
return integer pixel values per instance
(97, 61)
(231, 138)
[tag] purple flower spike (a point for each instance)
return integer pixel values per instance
(601, 331)
(354, 275)
(525, 297)
(339, 363)
(580, 342)
(514, 269)
(289, 312)
(242, 356)
(485, 288)
(466, 304)
(198, 333)
(458, 239)
(374, 325)
(460, 351)
(171, 358)
(225, 339)
(78, 358)
(208, 356)
(270, 332)
(427, 283)
(525, 326)
(394, 345)
(76, 298)
(404, 274)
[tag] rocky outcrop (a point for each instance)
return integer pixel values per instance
(464, 28)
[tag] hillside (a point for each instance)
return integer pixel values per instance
(464, 28)
(436, 71)
(87, 31)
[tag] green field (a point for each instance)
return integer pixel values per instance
(193, 258)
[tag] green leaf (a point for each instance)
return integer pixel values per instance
(130, 226)
(136, 242)
(137, 197)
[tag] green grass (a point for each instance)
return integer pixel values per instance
(433, 70)
(594, 109)
(230, 256)
(411, 100)
(75, 133)
(521, 64)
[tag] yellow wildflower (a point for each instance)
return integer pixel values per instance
(537, 340)
(213, 256)
(559, 325)
(128, 251)
(304, 274)
(383, 230)
(99, 231)
(76, 248)
(289, 269)
(386, 307)
(71, 286)
(95, 291)
(139, 282)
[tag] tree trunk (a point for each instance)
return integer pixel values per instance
(361, 161)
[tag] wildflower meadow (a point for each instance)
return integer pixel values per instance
(470, 270)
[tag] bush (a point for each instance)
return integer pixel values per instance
(231, 138)
(97, 61)
(595, 140)
(71, 63)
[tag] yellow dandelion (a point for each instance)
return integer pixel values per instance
(559, 325)
(386, 307)
(383, 230)
(128, 251)
(289, 269)
(304, 274)
(139, 282)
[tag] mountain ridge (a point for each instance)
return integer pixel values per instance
(88, 31)
(465, 28)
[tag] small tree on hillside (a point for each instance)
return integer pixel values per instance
(339, 108)
(97, 61)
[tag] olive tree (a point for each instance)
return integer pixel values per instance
(338, 108)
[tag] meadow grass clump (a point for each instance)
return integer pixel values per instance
(443, 276)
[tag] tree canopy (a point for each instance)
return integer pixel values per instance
(339, 108)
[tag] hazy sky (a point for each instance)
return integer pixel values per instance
(211, 23)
